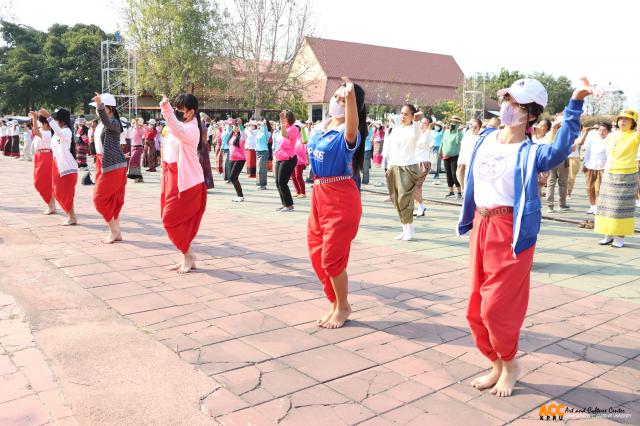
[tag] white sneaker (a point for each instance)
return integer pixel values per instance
(550, 210)
(590, 211)
(238, 199)
(606, 240)
(400, 236)
(618, 242)
(408, 236)
(436, 182)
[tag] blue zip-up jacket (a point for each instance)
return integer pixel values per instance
(531, 160)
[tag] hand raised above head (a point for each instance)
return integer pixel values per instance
(348, 88)
(97, 99)
(582, 92)
(165, 100)
(43, 112)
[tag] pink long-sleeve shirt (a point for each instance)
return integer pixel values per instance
(181, 146)
(287, 146)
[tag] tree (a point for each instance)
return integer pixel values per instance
(444, 109)
(176, 42)
(504, 78)
(610, 103)
(559, 90)
(56, 68)
(264, 37)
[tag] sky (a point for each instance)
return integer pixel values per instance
(597, 39)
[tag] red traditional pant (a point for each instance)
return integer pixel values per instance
(181, 212)
(298, 180)
(499, 287)
(251, 163)
(333, 223)
(64, 187)
(42, 175)
(108, 194)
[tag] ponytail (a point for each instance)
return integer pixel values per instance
(363, 129)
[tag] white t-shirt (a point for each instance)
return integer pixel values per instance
(423, 146)
(466, 148)
(575, 153)
(402, 144)
(43, 142)
(97, 138)
(595, 152)
(494, 173)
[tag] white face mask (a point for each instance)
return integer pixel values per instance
(335, 109)
(511, 115)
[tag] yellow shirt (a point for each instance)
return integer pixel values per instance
(622, 148)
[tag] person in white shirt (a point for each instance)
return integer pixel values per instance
(595, 157)
(251, 132)
(574, 166)
(403, 172)
(27, 140)
(466, 149)
(423, 156)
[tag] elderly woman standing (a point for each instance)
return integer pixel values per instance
(403, 172)
(616, 202)
(449, 151)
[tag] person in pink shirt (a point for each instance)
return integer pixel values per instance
(303, 162)
(137, 146)
(238, 158)
(286, 159)
(183, 196)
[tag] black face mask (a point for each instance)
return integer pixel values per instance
(179, 115)
(453, 127)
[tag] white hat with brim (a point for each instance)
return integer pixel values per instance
(152, 121)
(107, 99)
(526, 91)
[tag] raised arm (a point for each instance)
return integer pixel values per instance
(35, 131)
(186, 132)
(283, 125)
(108, 123)
(549, 156)
(351, 118)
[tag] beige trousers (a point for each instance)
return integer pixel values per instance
(401, 182)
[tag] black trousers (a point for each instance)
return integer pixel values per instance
(283, 174)
(450, 167)
(236, 169)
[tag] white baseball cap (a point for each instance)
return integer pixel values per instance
(152, 121)
(107, 99)
(526, 91)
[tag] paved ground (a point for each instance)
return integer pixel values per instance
(128, 342)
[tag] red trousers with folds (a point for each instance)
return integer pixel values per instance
(333, 223)
(42, 174)
(64, 187)
(181, 212)
(499, 287)
(108, 194)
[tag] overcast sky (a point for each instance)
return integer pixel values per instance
(575, 38)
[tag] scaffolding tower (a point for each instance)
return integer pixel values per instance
(473, 97)
(119, 76)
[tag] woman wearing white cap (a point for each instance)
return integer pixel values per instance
(503, 208)
(108, 194)
(616, 201)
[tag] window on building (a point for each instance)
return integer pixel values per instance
(316, 113)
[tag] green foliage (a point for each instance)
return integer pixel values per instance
(558, 88)
(444, 109)
(56, 68)
(176, 42)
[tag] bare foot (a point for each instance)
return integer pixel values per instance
(111, 238)
(508, 378)
(70, 221)
(188, 264)
(338, 318)
(326, 317)
(488, 380)
(176, 267)
(50, 211)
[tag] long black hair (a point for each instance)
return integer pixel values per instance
(64, 116)
(114, 110)
(358, 156)
(189, 101)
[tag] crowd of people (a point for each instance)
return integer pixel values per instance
(498, 168)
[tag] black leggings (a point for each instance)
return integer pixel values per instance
(236, 168)
(283, 174)
(450, 167)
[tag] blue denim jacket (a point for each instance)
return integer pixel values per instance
(532, 159)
